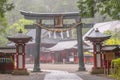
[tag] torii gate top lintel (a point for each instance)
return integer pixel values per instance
(58, 19)
(66, 15)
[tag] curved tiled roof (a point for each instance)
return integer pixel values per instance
(19, 37)
(97, 34)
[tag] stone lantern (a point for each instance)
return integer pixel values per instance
(20, 40)
(97, 38)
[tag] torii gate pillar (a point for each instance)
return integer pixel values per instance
(80, 48)
(37, 47)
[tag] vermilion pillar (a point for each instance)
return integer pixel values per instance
(94, 56)
(97, 55)
(20, 56)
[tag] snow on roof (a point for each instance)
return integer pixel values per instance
(63, 45)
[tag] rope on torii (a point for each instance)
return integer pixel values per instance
(58, 29)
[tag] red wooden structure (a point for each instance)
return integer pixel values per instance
(63, 53)
(7, 61)
(110, 52)
(97, 38)
(20, 40)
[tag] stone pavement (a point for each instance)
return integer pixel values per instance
(88, 76)
(61, 75)
(64, 75)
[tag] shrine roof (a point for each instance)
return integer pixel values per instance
(49, 15)
(97, 35)
(104, 26)
(7, 47)
(111, 48)
(85, 47)
(63, 45)
(67, 44)
(19, 37)
(7, 50)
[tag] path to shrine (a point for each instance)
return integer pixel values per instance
(64, 72)
(61, 75)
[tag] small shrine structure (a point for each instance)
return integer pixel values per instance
(20, 40)
(110, 52)
(97, 39)
(7, 59)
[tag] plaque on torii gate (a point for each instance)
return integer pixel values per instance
(58, 26)
(20, 40)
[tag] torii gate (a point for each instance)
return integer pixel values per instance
(58, 26)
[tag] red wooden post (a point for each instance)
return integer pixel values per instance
(63, 56)
(23, 56)
(94, 56)
(20, 56)
(101, 57)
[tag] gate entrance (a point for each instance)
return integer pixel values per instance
(58, 24)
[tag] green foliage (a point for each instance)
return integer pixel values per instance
(13, 29)
(3, 41)
(112, 41)
(115, 38)
(4, 7)
(20, 25)
(3, 24)
(112, 8)
(88, 8)
(115, 72)
(3, 35)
